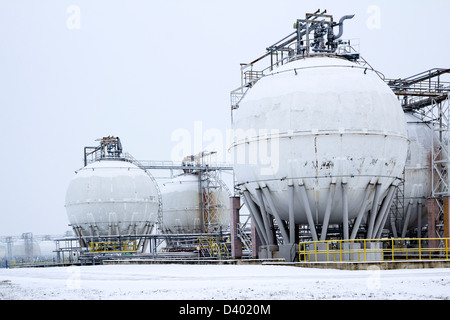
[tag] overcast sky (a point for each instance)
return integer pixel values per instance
(74, 71)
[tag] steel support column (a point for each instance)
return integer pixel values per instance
(304, 200)
(280, 222)
(373, 211)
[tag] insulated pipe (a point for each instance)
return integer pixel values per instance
(360, 214)
(265, 216)
(326, 219)
(341, 26)
(304, 199)
(254, 213)
(276, 215)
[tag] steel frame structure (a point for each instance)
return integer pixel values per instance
(427, 95)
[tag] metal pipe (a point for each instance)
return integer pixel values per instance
(360, 213)
(253, 212)
(341, 26)
(345, 209)
(284, 234)
(304, 199)
(373, 211)
(326, 218)
(266, 219)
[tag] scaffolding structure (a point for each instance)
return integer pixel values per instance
(427, 95)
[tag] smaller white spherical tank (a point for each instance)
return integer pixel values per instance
(48, 248)
(181, 206)
(112, 197)
(418, 171)
(25, 249)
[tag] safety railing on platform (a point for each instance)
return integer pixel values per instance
(113, 246)
(212, 248)
(359, 250)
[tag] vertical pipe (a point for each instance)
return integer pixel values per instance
(304, 199)
(326, 218)
(373, 211)
(266, 218)
(345, 209)
(291, 214)
(360, 213)
(276, 215)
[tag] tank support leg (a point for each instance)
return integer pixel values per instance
(304, 199)
(384, 212)
(266, 219)
(419, 219)
(360, 213)
(280, 222)
(373, 211)
(291, 214)
(345, 209)
(326, 219)
(255, 214)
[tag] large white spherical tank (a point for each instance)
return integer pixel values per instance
(328, 119)
(112, 197)
(181, 206)
(418, 166)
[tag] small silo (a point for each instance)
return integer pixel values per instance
(111, 197)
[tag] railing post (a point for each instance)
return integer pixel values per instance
(392, 250)
(420, 248)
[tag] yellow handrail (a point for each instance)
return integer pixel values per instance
(373, 250)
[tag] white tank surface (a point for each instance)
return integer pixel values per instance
(330, 121)
(25, 249)
(48, 248)
(181, 206)
(418, 173)
(112, 197)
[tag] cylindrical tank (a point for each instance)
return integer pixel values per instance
(318, 122)
(181, 206)
(112, 197)
(418, 172)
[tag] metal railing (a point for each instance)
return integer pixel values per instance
(211, 247)
(113, 246)
(360, 250)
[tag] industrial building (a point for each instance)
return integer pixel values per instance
(332, 162)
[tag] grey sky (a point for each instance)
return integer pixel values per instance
(143, 69)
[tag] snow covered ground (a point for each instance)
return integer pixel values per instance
(206, 282)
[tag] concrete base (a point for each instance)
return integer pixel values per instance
(267, 252)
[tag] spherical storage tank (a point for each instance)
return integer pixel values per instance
(330, 121)
(112, 197)
(418, 173)
(182, 208)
